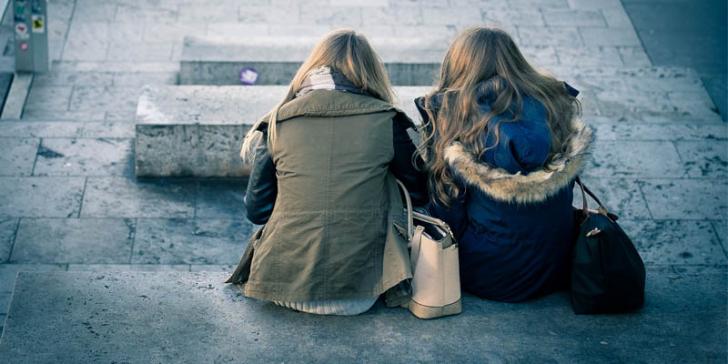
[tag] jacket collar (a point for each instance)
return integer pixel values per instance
(536, 186)
(332, 103)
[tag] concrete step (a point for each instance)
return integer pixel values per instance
(218, 60)
(189, 317)
(197, 130)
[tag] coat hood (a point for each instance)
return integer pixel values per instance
(536, 186)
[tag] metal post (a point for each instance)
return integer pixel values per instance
(31, 35)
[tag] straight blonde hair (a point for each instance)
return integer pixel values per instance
(345, 51)
(486, 60)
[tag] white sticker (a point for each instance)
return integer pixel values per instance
(21, 30)
(38, 23)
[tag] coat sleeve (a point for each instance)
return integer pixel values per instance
(408, 170)
(260, 195)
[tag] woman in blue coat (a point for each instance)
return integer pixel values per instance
(504, 144)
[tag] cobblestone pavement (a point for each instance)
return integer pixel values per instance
(69, 200)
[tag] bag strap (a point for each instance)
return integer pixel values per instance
(414, 215)
(586, 191)
(408, 203)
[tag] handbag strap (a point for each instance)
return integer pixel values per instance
(586, 191)
(414, 215)
(408, 202)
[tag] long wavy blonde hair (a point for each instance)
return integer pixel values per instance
(485, 60)
(345, 51)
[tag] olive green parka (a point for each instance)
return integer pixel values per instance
(331, 232)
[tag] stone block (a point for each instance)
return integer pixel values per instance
(508, 19)
(8, 273)
(574, 18)
(87, 41)
(198, 130)
(332, 15)
(207, 12)
(635, 159)
(616, 17)
(540, 56)
(170, 31)
(17, 156)
(595, 4)
(91, 11)
(213, 322)
(610, 37)
(63, 115)
(84, 157)
(675, 242)
(589, 56)
(218, 60)
(40, 196)
(140, 51)
(8, 227)
(79, 241)
(71, 129)
(711, 133)
(139, 79)
(392, 16)
(72, 79)
(120, 197)
(562, 36)
(48, 98)
(104, 98)
(707, 158)
(433, 31)
(237, 29)
(696, 199)
(199, 241)
(267, 15)
(132, 14)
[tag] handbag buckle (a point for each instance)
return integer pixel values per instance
(593, 232)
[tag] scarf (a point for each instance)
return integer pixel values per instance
(326, 78)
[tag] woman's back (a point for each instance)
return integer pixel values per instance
(504, 146)
(323, 170)
(335, 196)
(332, 152)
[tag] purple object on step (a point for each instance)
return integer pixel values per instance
(248, 76)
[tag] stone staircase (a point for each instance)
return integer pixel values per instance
(652, 126)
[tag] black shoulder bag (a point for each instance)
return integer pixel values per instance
(607, 273)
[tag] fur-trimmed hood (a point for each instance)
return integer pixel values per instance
(536, 186)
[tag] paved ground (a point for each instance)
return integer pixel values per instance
(69, 201)
(686, 33)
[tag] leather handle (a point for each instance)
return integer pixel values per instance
(586, 191)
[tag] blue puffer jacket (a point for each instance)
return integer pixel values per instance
(514, 220)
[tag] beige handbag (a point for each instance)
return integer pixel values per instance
(435, 265)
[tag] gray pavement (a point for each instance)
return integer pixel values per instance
(69, 202)
(687, 33)
(173, 317)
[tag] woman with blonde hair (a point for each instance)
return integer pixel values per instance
(504, 144)
(322, 180)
